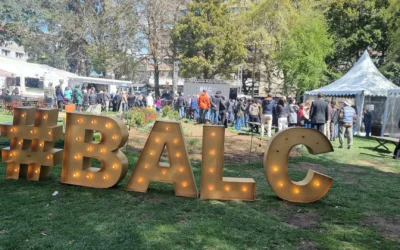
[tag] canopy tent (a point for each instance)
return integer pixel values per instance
(392, 114)
(363, 79)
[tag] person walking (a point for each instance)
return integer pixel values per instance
(267, 111)
(241, 108)
(181, 105)
(347, 117)
(396, 152)
(68, 95)
(254, 112)
(367, 121)
(77, 94)
(204, 105)
(215, 103)
(319, 113)
(334, 121)
(194, 107)
(293, 113)
(282, 111)
(50, 95)
(60, 98)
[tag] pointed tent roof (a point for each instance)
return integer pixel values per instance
(364, 76)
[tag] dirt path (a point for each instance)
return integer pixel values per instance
(237, 147)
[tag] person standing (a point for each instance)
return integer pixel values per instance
(50, 95)
(319, 113)
(334, 121)
(194, 108)
(215, 103)
(282, 111)
(181, 105)
(396, 152)
(241, 108)
(68, 94)
(328, 123)
(85, 101)
(347, 117)
(293, 113)
(267, 111)
(300, 115)
(150, 101)
(77, 94)
(131, 100)
(204, 105)
(124, 101)
(254, 112)
(117, 102)
(306, 114)
(367, 121)
(158, 105)
(246, 112)
(223, 106)
(230, 109)
(92, 100)
(60, 98)
(188, 105)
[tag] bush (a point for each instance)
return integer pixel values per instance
(169, 113)
(138, 117)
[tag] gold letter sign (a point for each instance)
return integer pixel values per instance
(213, 184)
(31, 152)
(315, 185)
(80, 148)
(178, 171)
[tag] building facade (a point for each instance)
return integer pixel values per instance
(14, 51)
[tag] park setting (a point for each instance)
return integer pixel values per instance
(201, 124)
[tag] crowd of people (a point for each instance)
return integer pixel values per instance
(89, 99)
(267, 114)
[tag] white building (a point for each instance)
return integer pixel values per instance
(13, 50)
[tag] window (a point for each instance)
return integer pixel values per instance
(5, 52)
(19, 55)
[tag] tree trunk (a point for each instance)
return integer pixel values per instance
(156, 80)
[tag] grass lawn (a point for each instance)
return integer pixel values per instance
(361, 211)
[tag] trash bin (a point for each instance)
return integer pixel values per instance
(69, 108)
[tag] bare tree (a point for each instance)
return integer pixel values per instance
(156, 22)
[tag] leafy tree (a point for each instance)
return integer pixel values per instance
(208, 41)
(391, 68)
(356, 25)
(303, 53)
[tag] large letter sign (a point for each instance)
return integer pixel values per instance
(31, 152)
(315, 185)
(213, 184)
(178, 171)
(80, 148)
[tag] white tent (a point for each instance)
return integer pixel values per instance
(364, 79)
(392, 114)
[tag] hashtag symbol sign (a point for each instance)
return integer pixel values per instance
(31, 153)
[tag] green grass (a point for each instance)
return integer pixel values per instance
(366, 183)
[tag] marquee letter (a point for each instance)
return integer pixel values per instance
(213, 184)
(178, 171)
(80, 148)
(315, 185)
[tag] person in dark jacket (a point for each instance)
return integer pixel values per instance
(231, 115)
(188, 110)
(223, 111)
(396, 153)
(334, 121)
(181, 105)
(319, 113)
(117, 102)
(85, 101)
(267, 111)
(282, 112)
(215, 104)
(60, 98)
(131, 100)
(92, 98)
(195, 108)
